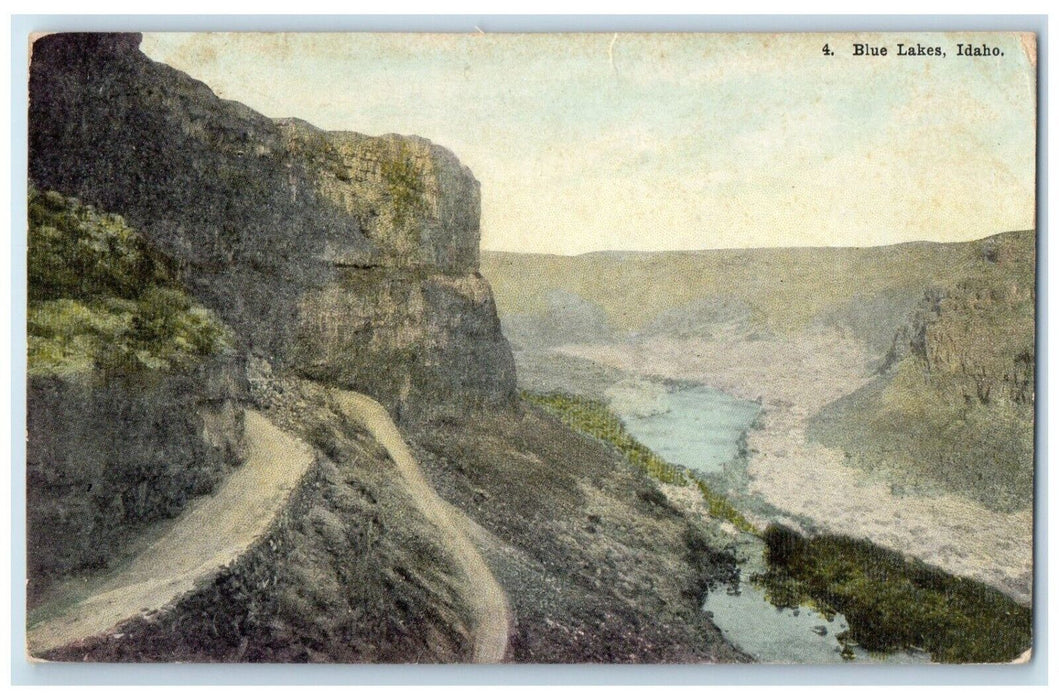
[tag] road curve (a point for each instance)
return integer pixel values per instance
(210, 534)
(485, 595)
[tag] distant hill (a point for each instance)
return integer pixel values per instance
(766, 291)
(950, 328)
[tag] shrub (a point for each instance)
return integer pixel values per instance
(782, 545)
(892, 602)
(78, 252)
(101, 300)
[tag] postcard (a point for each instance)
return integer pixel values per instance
(633, 348)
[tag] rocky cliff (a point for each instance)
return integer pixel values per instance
(134, 398)
(338, 256)
(953, 403)
(104, 461)
(351, 261)
(979, 333)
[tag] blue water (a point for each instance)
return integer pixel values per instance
(788, 635)
(700, 428)
(697, 426)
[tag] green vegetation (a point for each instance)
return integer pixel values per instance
(594, 419)
(721, 508)
(892, 602)
(101, 300)
(402, 181)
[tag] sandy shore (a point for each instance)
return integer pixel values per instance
(793, 379)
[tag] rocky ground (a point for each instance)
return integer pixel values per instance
(350, 571)
(597, 563)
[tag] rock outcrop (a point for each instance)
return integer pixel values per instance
(104, 460)
(338, 256)
(134, 398)
(953, 403)
(978, 335)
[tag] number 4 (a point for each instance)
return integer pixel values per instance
(827, 50)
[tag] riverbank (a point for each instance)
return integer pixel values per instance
(794, 378)
(822, 599)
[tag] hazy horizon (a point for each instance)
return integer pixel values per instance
(661, 251)
(649, 142)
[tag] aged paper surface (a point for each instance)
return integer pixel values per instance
(531, 348)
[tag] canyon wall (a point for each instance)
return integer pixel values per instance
(338, 256)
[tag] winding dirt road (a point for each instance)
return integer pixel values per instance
(209, 535)
(484, 594)
(218, 528)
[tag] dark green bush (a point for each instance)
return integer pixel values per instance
(782, 545)
(77, 252)
(892, 602)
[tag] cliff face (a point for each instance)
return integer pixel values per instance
(953, 403)
(353, 261)
(134, 396)
(978, 335)
(105, 459)
(335, 255)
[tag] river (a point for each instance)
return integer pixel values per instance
(703, 429)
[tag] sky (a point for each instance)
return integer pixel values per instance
(587, 142)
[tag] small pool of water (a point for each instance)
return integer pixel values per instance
(697, 426)
(779, 635)
(785, 635)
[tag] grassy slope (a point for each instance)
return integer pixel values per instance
(594, 419)
(101, 300)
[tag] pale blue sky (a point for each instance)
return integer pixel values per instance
(671, 141)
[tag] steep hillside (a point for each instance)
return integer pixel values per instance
(598, 565)
(341, 261)
(350, 572)
(134, 395)
(954, 404)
